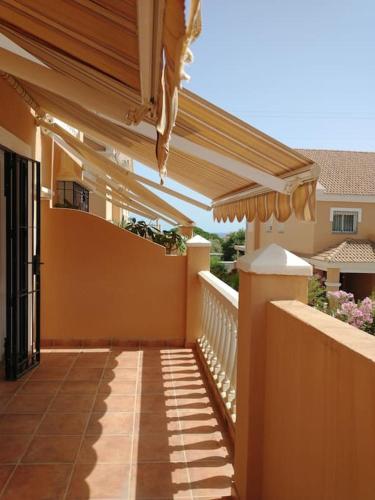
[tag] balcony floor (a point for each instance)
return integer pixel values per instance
(109, 424)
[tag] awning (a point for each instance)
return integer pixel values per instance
(233, 195)
(243, 171)
(131, 53)
(285, 180)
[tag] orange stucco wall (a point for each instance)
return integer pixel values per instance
(296, 236)
(307, 238)
(324, 238)
(100, 282)
(15, 115)
(65, 167)
(319, 409)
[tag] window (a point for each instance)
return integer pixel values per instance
(344, 222)
(269, 225)
(70, 194)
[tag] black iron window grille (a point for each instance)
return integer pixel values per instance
(70, 194)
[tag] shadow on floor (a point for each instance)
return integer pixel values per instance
(112, 423)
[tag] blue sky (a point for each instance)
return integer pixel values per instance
(301, 71)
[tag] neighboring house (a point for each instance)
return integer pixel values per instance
(340, 244)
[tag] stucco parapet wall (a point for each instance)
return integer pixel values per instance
(274, 259)
(198, 241)
(322, 324)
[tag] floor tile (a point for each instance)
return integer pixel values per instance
(155, 480)
(199, 424)
(152, 419)
(85, 373)
(63, 423)
(37, 482)
(120, 373)
(114, 403)
(151, 423)
(118, 387)
(91, 362)
(19, 423)
(152, 387)
(49, 373)
(79, 387)
(52, 449)
(154, 403)
(212, 480)
(12, 447)
(29, 403)
(72, 402)
(105, 449)
(63, 360)
(160, 447)
(102, 481)
(10, 387)
(110, 423)
(125, 354)
(41, 387)
(5, 472)
(208, 446)
(4, 401)
(122, 362)
(191, 392)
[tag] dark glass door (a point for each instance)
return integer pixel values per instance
(22, 191)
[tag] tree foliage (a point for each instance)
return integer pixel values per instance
(235, 238)
(215, 239)
(171, 239)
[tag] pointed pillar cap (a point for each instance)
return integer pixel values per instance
(274, 259)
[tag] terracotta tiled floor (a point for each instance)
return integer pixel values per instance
(108, 424)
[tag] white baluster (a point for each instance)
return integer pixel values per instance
(220, 350)
(225, 381)
(203, 339)
(218, 342)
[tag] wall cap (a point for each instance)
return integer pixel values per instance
(274, 259)
(198, 241)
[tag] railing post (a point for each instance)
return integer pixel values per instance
(198, 259)
(270, 273)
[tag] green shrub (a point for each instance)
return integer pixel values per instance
(317, 296)
(236, 238)
(218, 268)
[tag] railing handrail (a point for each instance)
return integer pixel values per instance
(220, 289)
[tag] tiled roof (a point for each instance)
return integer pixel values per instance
(344, 172)
(349, 251)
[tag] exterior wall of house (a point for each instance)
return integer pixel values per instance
(319, 407)
(295, 236)
(306, 238)
(324, 238)
(102, 284)
(16, 118)
(97, 205)
(46, 160)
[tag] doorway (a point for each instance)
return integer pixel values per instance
(2, 260)
(21, 189)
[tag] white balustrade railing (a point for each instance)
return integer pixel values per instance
(218, 342)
